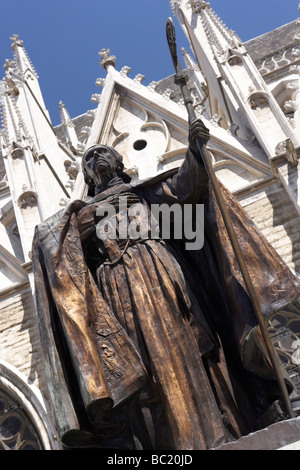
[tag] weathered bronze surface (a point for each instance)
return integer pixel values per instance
(148, 345)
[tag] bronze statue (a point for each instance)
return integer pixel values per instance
(149, 345)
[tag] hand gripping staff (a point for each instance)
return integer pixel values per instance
(181, 79)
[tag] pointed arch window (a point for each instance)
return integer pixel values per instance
(16, 430)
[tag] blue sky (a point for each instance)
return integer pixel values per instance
(63, 38)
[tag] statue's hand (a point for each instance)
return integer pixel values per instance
(198, 130)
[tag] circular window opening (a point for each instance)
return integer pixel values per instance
(140, 144)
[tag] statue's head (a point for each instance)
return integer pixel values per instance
(100, 164)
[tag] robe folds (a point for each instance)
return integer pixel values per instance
(146, 344)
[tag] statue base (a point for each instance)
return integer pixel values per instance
(284, 435)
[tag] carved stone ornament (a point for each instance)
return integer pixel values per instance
(289, 149)
(72, 168)
(125, 71)
(234, 60)
(16, 41)
(100, 82)
(95, 98)
(199, 5)
(139, 78)
(107, 59)
(258, 100)
(16, 430)
(284, 327)
(279, 60)
(17, 153)
(9, 65)
(27, 199)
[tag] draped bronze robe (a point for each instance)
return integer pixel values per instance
(160, 342)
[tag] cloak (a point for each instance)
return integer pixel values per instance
(87, 381)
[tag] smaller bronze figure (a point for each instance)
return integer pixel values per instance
(149, 345)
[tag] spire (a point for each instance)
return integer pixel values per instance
(237, 91)
(198, 80)
(23, 63)
(209, 39)
(188, 61)
(219, 37)
(31, 151)
(22, 67)
(13, 125)
(68, 127)
(65, 116)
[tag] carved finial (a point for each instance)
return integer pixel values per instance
(107, 59)
(125, 71)
(16, 41)
(64, 115)
(199, 5)
(100, 82)
(86, 131)
(188, 61)
(139, 78)
(9, 65)
(287, 147)
(96, 98)
(21, 58)
(168, 94)
(152, 86)
(215, 120)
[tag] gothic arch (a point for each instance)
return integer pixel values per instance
(24, 423)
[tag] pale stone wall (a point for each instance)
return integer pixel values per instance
(19, 335)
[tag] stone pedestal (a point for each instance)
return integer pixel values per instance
(284, 435)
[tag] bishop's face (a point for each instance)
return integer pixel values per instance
(99, 164)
